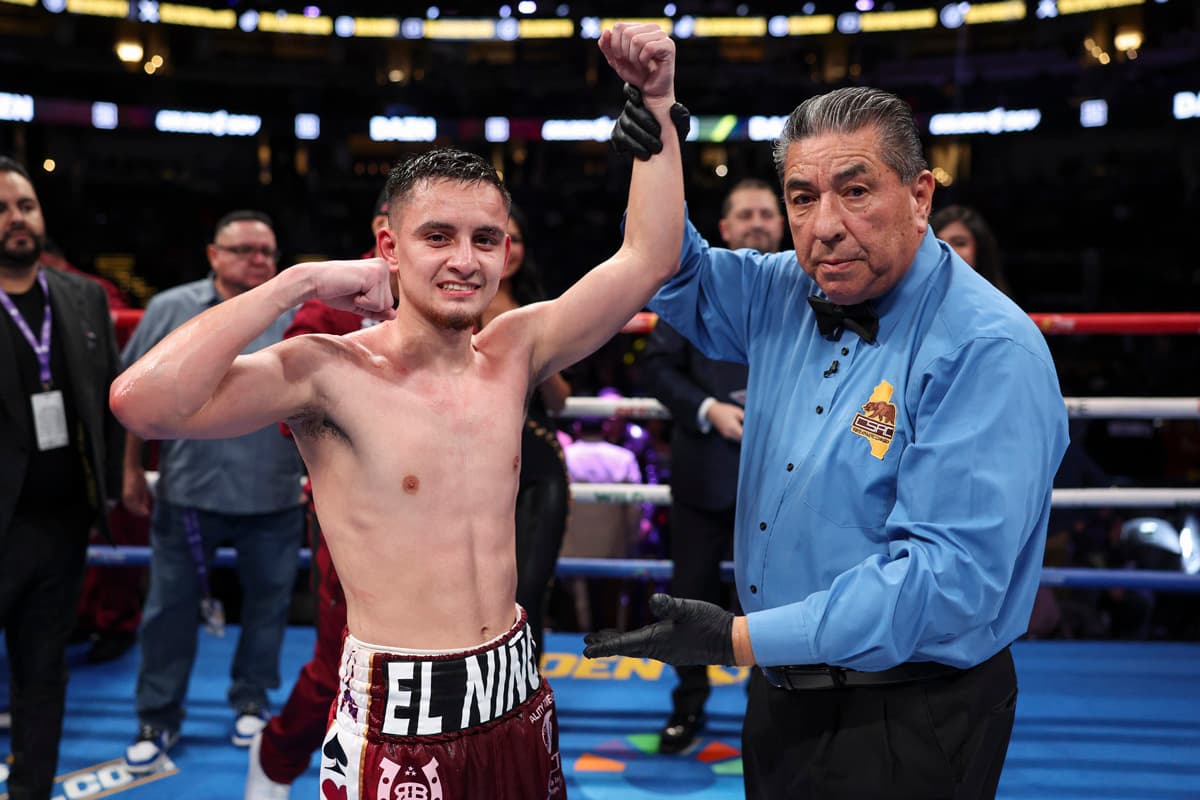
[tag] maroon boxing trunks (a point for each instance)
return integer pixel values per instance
(463, 725)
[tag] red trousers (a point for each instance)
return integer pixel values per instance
(292, 736)
(111, 600)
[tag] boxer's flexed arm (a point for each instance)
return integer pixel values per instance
(593, 310)
(194, 384)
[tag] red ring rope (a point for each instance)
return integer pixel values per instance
(1130, 323)
(1136, 323)
(1139, 323)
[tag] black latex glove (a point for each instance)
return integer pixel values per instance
(638, 133)
(691, 632)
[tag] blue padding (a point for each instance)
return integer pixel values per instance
(660, 570)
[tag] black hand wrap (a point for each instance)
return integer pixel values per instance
(691, 632)
(637, 131)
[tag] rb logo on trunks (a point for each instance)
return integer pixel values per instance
(877, 421)
(406, 783)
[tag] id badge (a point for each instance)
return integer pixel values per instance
(50, 420)
(213, 614)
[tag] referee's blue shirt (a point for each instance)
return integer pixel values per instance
(893, 497)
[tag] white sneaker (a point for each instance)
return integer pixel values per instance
(250, 720)
(258, 785)
(148, 753)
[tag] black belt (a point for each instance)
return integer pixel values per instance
(825, 676)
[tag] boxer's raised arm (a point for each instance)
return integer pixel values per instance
(194, 384)
(593, 310)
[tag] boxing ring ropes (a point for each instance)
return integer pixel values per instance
(660, 495)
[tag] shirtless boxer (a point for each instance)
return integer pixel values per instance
(411, 431)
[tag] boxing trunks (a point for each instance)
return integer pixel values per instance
(443, 725)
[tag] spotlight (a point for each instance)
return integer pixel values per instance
(1127, 39)
(129, 51)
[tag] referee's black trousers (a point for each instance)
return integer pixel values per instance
(944, 737)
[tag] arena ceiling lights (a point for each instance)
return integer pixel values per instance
(103, 115)
(434, 27)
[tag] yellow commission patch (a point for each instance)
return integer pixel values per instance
(877, 421)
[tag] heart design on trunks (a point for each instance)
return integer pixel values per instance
(331, 792)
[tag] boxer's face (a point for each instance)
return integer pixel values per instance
(449, 250)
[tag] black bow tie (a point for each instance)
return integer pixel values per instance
(860, 318)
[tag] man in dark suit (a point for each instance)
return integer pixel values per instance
(705, 398)
(60, 452)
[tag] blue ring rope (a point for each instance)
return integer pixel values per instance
(660, 570)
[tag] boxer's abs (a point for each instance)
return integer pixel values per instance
(426, 592)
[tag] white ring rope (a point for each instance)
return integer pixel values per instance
(1133, 407)
(1125, 498)
(660, 495)
(1078, 407)
(628, 407)
(1062, 498)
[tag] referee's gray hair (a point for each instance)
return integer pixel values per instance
(851, 109)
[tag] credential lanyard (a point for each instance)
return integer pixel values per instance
(41, 348)
(211, 610)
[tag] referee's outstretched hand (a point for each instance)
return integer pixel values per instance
(690, 632)
(636, 131)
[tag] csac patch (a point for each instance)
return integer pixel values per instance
(101, 780)
(877, 421)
